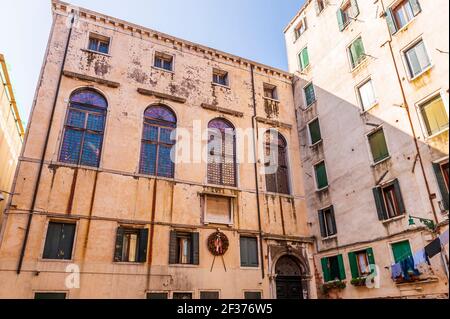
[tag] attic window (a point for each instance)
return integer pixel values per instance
(163, 61)
(99, 43)
(270, 91)
(300, 28)
(220, 77)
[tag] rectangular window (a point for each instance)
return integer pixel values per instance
(300, 28)
(164, 61)
(49, 295)
(253, 295)
(401, 251)
(220, 77)
(310, 95)
(441, 171)
(321, 175)
(157, 295)
(59, 241)
(182, 295)
(360, 263)
(356, 52)
(212, 295)
(346, 13)
(389, 201)
(417, 59)
(99, 43)
(327, 222)
(184, 248)
(366, 94)
(333, 268)
(270, 91)
(320, 5)
(434, 115)
(400, 14)
(303, 59)
(131, 245)
(218, 210)
(249, 251)
(378, 145)
(315, 134)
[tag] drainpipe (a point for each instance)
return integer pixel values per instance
(416, 143)
(255, 139)
(41, 163)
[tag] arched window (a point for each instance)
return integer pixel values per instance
(276, 167)
(221, 153)
(159, 123)
(84, 128)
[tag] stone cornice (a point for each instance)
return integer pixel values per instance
(88, 78)
(64, 8)
(162, 96)
(222, 110)
(273, 123)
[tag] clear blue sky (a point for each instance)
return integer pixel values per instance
(249, 28)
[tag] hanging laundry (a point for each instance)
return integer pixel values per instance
(444, 238)
(420, 257)
(407, 266)
(433, 248)
(396, 271)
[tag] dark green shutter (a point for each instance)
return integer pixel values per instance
(415, 7)
(341, 267)
(401, 251)
(398, 194)
(359, 50)
(371, 259)
(340, 18)
(119, 244)
(244, 252)
(442, 186)
(143, 242)
(314, 131)
(325, 269)
(253, 252)
(333, 220)
(51, 247)
(195, 249)
(173, 249)
(355, 8)
(317, 7)
(353, 265)
(390, 21)
(323, 230)
(321, 175)
(379, 202)
(66, 241)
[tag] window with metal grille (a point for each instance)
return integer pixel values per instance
(277, 180)
(157, 142)
(221, 153)
(84, 128)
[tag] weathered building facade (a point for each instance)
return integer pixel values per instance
(11, 134)
(371, 91)
(101, 211)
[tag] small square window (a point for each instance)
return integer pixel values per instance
(163, 61)
(366, 94)
(220, 77)
(321, 176)
(417, 59)
(310, 94)
(434, 115)
(99, 43)
(303, 59)
(315, 134)
(270, 91)
(356, 52)
(378, 145)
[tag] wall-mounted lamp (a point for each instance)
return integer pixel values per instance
(427, 222)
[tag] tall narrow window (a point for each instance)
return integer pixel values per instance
(221, 153)
(356, 52)
(389, 201)
(310, 95)
(327, 222)
(157, 142)
(276, 166)
(184, 248)
(417, 59)
(378, 145)
(303, 59)
(320, 171)
(360, 263)
(84, 127)
(315, 135)
(366, 94)
(434, 115)
(442, 176)
(348, 11)
(300, 28)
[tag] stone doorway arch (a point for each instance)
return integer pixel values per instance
(289, 283)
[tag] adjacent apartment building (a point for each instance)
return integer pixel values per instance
(371, 81)
(99, 208)
(11, 135)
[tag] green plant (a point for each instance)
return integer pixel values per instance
(360, 281)
(337, 284)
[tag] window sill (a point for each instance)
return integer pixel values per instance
(405, 27)
(65, 261)
(437, 134)
(394, 219)
(249, 268)
(168, 179)
(359, 65)
(232, 188)
(320, 190)
(316, 144)
(164, 70)
(270, 99)
(420, 281)
(91, 168)
(366, 110)
(412, 79)
(128, 263)
(381, 161)
(221, 85)
(329, 238)
(308, 107)
(183, 266)
(210, 222)
(96, 52)
(280, 195)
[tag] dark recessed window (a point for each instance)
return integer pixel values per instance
(131, 245)
(310, 95)
(327, 222)
(270, 91)
(389, 200)
(320, 171)
(220, 77)
(213, 295)
(59, 241)
(184, 248)
(249, 251)
(333, 268)
(315, 134)
(157, 295)
(164, 61)
(99, 43)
